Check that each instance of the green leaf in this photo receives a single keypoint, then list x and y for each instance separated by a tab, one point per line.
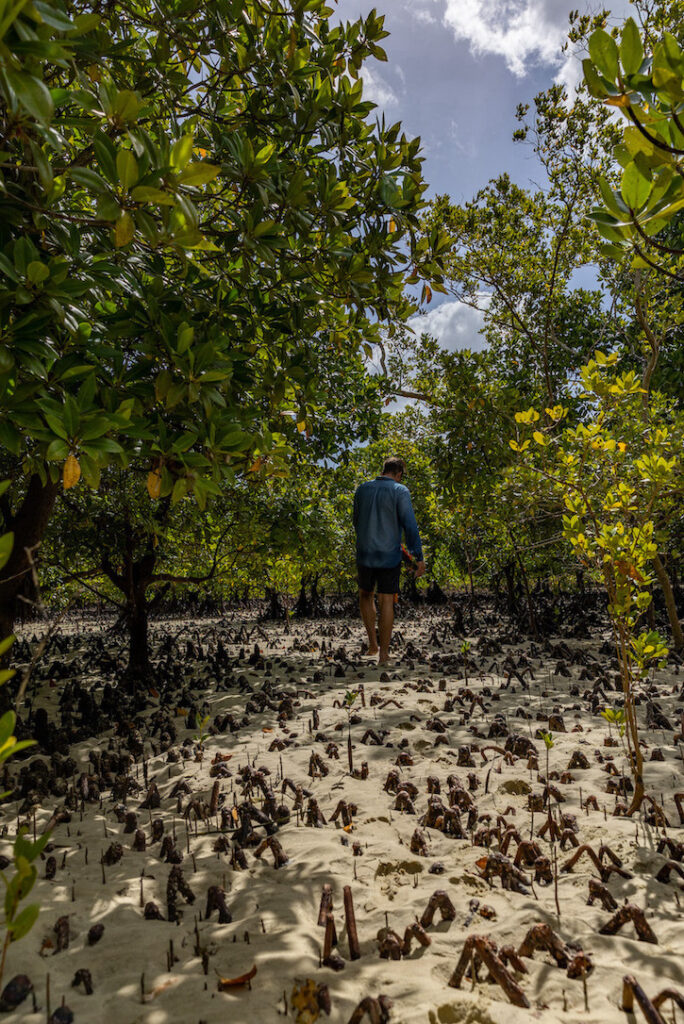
4	647
181	151
10	13
604	53
95	428
147	194
24	921
105	151
198	174
37	272
126	106
57	451
127	168
52	16
594	81
635	188
631	48
33	95
6	543
7	723
89	178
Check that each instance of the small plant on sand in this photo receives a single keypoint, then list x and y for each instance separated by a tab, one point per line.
200	737
616	717
465	649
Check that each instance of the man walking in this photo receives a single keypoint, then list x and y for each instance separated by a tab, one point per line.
382	509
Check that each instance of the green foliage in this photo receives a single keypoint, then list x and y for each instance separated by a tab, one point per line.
548	739
615	473
201	736
19	920
198	215
616	717
647	90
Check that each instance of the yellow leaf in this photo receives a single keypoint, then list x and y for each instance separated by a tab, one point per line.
72	473
617	101
124	229
539	437
392	225
304	1001
154	483
428	293
514	445
301	426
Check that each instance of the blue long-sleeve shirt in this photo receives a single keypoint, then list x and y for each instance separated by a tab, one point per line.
382	509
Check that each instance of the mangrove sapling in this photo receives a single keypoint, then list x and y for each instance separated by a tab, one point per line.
614	473
465	648
200	737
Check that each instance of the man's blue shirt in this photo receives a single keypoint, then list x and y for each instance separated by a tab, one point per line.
382	509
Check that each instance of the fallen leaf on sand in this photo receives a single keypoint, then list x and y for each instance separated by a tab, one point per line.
304	1001
227	983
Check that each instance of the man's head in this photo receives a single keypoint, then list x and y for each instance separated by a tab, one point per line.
394	467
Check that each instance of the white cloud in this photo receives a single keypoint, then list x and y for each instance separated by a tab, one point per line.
453	324
520	31
376	89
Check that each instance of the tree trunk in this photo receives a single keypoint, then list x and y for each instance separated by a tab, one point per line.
28	526
665	586
139	667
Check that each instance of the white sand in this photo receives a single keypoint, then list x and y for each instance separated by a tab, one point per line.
279	909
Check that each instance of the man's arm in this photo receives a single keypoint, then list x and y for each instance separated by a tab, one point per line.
410	527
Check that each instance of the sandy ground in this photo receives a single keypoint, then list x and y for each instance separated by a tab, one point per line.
275	912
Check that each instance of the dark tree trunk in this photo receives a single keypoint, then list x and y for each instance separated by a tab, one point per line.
133	581
28	525
511	601
139	667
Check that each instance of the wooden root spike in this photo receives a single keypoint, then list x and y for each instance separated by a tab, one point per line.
350	924
542	936
668	993
630	912
665	871
438	901
598	891
377	1010
679	803
631	990
483	947
326	905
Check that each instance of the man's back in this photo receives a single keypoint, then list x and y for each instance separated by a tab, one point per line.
382	509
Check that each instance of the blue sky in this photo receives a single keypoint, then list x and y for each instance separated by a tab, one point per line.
455	73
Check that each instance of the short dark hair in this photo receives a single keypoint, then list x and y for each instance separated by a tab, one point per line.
394	465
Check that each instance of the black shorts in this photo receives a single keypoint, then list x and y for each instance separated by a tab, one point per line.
386	580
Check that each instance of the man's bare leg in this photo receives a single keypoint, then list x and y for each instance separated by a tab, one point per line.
367	606
386	623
